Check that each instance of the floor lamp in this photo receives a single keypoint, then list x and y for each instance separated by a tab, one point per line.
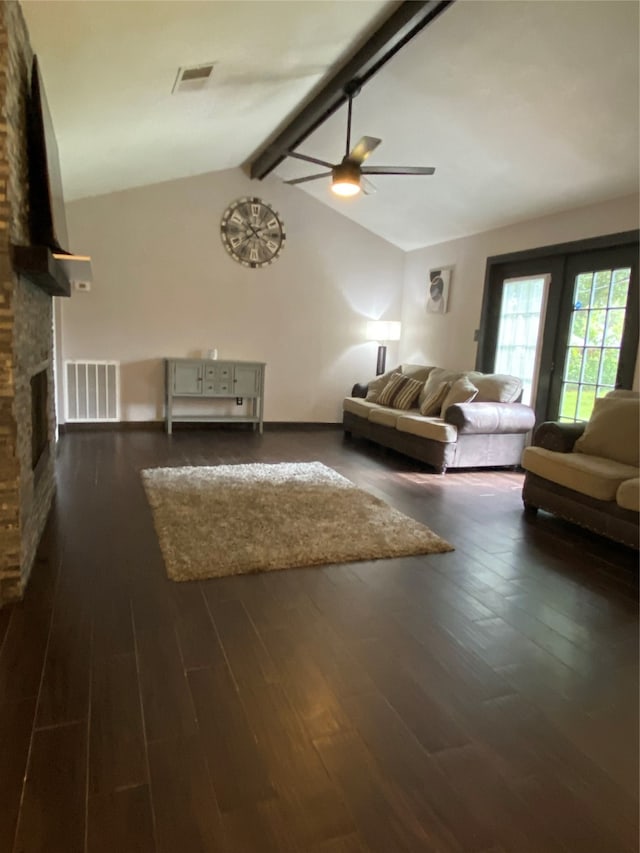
382	331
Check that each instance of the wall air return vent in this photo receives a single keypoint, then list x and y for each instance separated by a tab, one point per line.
92	391
193	78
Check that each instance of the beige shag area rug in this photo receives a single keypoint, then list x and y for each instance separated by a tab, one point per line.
236	519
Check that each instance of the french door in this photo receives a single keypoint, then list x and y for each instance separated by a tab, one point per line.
565	322
597	339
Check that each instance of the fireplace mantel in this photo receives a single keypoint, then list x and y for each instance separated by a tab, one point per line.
40	267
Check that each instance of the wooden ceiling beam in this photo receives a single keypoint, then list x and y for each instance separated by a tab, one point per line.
400	27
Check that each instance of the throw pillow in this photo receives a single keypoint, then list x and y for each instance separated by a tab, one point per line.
497	388
613	430
461	391
375	386
416	371
431	405
437	376
400	392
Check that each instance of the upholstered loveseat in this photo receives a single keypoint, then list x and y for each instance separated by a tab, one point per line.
589	473
446	418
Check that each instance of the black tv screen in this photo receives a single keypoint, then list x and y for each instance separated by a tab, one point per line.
47	220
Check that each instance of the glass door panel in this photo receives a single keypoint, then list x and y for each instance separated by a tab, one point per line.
520	330
596	328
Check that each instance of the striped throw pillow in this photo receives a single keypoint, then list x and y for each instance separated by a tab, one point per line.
400	392
431	405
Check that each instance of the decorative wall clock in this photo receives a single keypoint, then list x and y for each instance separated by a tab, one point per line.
252	232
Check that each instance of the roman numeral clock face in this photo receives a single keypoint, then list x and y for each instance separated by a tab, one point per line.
252	232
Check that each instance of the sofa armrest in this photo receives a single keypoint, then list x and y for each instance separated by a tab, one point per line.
558	435
359	390
483	418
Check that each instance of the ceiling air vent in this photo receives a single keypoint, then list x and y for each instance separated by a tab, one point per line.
192	79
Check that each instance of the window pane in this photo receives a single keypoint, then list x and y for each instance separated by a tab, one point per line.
615	325
609	367
586	399
620	288
569	402
591	365
573	366
601	289
583	290
578	328
595	329
519	329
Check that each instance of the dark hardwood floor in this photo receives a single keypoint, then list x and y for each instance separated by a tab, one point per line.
481	701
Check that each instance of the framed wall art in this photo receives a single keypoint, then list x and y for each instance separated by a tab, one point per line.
438	290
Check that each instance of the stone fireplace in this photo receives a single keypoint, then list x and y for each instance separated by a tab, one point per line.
39	419
26	339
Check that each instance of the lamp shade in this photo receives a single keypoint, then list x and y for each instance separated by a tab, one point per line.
383	330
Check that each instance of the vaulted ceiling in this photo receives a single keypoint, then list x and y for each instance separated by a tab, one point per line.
524	108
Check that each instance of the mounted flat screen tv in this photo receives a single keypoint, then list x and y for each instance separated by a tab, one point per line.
47	220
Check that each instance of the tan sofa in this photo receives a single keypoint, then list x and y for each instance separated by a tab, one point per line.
589	473
489	431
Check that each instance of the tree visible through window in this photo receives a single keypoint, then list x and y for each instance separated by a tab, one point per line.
595	339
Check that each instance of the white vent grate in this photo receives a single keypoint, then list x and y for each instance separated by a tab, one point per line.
92	391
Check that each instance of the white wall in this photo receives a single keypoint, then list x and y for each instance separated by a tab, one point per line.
165	286
447	339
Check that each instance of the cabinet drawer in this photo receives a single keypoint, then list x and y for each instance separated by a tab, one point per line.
218	371
216	389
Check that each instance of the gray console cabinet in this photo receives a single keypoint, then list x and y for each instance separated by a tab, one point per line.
207	379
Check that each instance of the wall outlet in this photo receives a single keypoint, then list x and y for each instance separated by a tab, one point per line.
82	285
238	401
476	335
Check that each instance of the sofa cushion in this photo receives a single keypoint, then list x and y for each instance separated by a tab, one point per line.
431	405
384	416
461	391
591	475
628	494
375	386
496	387
400	392
434	428
613	430
358	406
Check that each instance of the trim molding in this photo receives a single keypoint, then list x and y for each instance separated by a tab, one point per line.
158	426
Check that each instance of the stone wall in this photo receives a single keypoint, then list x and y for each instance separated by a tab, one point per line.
26	340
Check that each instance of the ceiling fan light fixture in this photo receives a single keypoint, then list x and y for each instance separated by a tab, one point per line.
345	179
345	187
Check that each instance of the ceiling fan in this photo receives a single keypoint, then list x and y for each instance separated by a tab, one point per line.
347	176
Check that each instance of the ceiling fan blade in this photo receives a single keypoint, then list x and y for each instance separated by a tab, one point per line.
307	159
367	186
363	148
308	178
398	170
